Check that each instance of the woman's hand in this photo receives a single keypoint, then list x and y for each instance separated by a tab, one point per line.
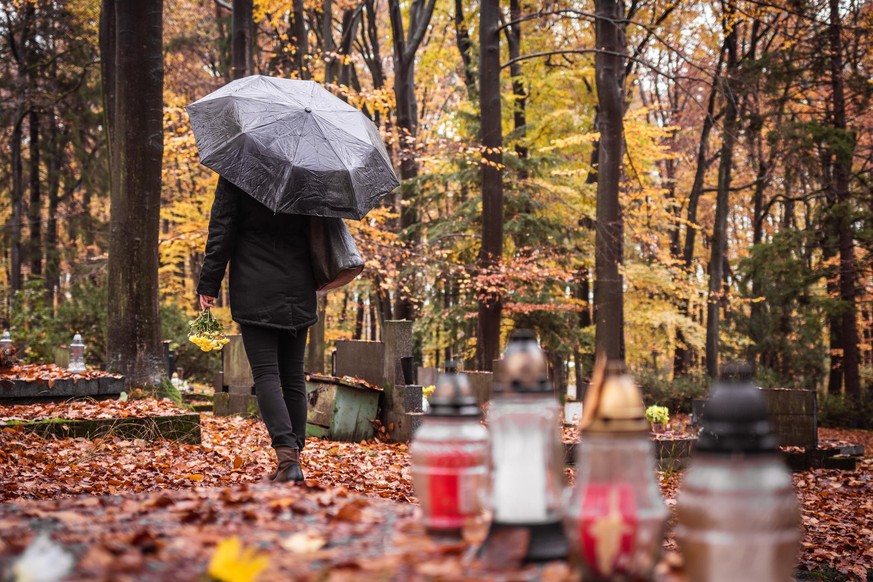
206	301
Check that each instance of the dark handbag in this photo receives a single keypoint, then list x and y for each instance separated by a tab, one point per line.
336	260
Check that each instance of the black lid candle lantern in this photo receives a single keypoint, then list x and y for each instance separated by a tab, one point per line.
737	513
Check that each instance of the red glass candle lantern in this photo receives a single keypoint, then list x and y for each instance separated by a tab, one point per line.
450	457
616	518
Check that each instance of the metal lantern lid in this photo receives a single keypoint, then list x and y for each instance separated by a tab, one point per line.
736	419
77	340
523	369
6	338
617	401
452	395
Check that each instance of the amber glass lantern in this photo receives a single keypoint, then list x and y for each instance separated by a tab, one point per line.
616	516
450	457
527	456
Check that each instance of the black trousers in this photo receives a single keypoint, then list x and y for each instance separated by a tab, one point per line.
276	358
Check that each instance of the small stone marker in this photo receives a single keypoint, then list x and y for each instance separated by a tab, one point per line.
234	394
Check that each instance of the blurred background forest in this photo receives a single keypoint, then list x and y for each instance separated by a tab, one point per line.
746	191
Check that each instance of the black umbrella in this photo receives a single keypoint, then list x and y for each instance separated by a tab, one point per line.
293	146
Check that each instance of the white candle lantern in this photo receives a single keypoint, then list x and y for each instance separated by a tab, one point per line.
77	355
527	456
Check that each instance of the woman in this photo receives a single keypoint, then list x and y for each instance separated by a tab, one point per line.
272	298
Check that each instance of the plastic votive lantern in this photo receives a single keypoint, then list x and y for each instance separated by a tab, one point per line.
5	340
616	518
450	457
527	456
77	355
737	513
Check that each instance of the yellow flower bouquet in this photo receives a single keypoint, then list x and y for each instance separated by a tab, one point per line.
206	332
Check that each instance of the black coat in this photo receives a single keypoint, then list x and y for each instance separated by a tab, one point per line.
271	281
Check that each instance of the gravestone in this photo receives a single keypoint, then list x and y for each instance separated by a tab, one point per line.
481	383
427	376
397	338
14	390
793	414
237	374
400	422
360	359
235	394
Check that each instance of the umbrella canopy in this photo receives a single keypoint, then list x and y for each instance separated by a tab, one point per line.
293	146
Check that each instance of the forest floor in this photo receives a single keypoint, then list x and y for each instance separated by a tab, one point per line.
122	505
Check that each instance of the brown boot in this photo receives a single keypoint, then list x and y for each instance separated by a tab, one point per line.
289	465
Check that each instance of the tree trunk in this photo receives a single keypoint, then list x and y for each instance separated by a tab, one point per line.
405	46
359	318
843	151
609	70
682	355
330	56
108	66
53	183
301	42
558	377
34	208
513	35
350	20
719	237
373	335
315	355
17	217
465	47
370	38
242	38
491	251
134	325
757	310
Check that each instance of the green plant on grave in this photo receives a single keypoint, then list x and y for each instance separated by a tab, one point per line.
658	414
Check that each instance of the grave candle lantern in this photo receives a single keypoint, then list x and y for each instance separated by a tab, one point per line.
527	455
738	517
450	457
616	518
5	340
77	355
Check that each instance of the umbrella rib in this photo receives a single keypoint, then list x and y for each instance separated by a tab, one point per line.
340	158
355	138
